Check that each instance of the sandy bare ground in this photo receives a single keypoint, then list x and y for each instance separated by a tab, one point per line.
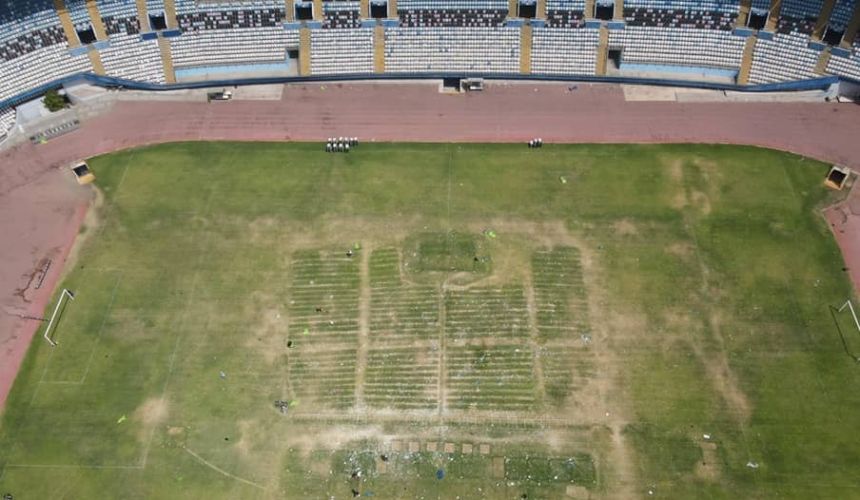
38	224
40	212
844	220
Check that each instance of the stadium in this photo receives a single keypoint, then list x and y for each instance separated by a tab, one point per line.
405	249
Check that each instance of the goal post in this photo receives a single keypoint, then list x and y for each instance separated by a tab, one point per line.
64	294
850	307
845	344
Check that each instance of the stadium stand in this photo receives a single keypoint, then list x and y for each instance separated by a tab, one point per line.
39	45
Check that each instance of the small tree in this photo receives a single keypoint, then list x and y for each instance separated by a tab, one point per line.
54	101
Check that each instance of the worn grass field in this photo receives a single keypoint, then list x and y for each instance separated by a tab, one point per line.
481	321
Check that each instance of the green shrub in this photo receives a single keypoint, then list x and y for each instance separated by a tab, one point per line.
54	101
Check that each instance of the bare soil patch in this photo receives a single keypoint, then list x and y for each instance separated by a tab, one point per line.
708	468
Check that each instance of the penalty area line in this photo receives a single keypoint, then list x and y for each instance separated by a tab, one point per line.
222	471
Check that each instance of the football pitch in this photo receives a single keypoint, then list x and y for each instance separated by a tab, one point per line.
262	320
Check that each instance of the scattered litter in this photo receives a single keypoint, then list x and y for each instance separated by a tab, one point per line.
706	436
650	492
121	419
489	233
586	338
289	344
563	179
283	406
752	465
356	246
440	474
349	253
306	332
222	374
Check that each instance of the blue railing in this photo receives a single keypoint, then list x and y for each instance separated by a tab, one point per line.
821	83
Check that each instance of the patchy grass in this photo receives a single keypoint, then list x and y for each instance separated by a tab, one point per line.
603	331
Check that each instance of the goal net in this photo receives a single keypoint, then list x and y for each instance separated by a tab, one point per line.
65	294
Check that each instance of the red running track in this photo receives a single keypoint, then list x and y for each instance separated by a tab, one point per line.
380	112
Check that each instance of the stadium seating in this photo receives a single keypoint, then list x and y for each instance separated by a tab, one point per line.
341	15
786	57
7	121
564	51
798	16
129	57
690	47
487	50
425	36
341	51
39	67
230	46
846	66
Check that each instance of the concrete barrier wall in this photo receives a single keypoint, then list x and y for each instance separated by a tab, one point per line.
822	83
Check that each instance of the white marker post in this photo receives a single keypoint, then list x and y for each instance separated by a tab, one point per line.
65	293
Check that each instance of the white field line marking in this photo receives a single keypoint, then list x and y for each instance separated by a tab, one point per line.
172	362
124	172
222	471
72	466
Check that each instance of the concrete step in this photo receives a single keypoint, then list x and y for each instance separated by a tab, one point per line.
773	16
96	61
142	15
823	61
379	49
170	14
304	52
66	23
602	50
747	60
823	19
743	13
166	59
96	20
526	49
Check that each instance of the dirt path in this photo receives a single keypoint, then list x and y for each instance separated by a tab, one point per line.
363	323
537	364
43	212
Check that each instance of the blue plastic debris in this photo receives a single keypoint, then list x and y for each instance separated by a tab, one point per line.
440	474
